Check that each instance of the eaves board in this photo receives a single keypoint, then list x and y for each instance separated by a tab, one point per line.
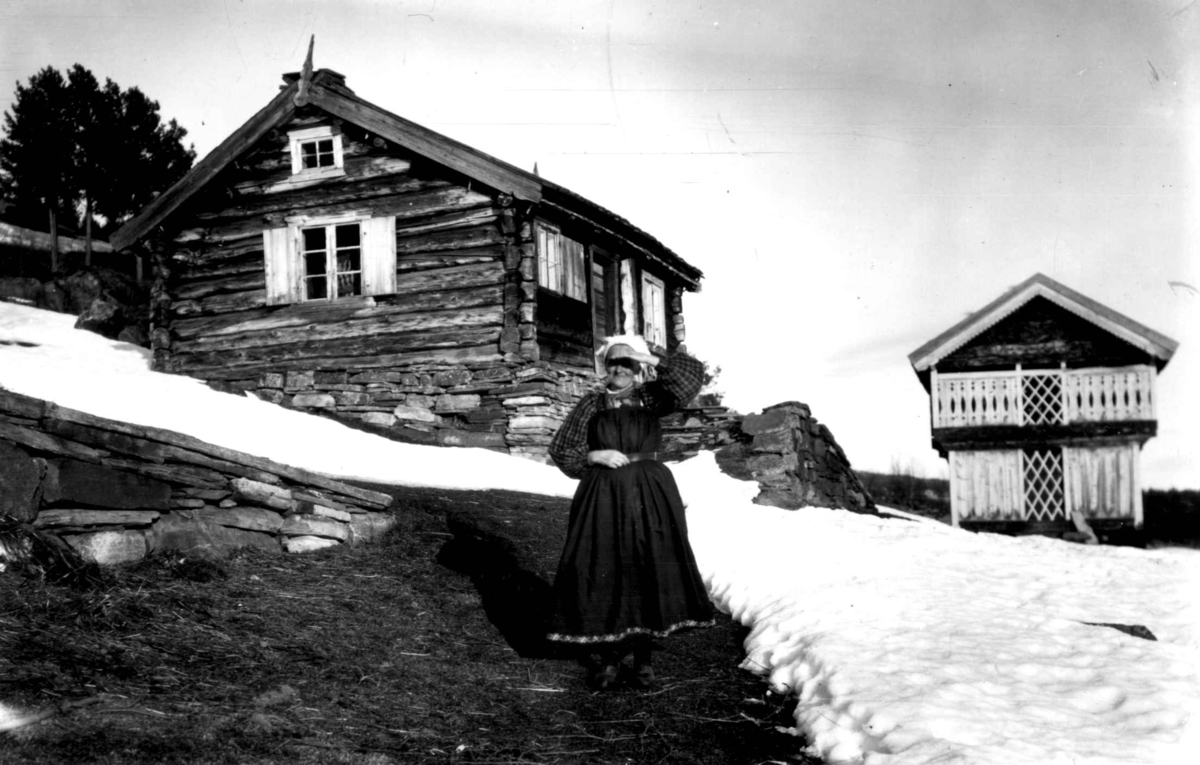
1138	335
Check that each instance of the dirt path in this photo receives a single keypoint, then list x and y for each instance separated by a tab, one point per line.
380	654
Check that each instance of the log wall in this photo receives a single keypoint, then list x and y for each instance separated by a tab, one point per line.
453	357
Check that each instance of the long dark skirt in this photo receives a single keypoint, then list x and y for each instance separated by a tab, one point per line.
627	569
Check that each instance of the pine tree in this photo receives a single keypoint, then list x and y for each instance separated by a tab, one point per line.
73	149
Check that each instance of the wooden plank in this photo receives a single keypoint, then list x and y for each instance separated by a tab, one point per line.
280	180
347	348
296	316
476	357
479	236
332	191
28	239
232	301
374	330
194	290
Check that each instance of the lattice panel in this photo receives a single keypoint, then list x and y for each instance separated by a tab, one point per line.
1042	401
1043	472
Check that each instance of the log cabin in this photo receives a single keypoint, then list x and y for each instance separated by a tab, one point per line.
334	257
1041	402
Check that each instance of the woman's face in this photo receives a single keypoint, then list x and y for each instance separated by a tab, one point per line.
621	370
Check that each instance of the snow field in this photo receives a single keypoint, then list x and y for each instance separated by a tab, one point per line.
905	641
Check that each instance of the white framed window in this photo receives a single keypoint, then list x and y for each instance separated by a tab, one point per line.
316	152
654	311
562	266
330	259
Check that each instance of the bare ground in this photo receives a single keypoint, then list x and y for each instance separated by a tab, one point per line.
422	647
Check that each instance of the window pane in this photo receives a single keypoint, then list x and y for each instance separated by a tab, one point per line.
314	239
308	154
316	288
314	263
325	153
349	284
347	235
349	260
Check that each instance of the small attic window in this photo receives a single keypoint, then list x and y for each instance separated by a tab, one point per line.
316	152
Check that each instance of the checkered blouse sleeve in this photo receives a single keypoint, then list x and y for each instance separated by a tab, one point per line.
680	378
569	447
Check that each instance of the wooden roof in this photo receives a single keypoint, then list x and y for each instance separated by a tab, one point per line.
328	92
1157	345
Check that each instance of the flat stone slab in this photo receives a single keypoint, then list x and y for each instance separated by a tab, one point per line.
65	516
308	544
109	548
249	518
312	525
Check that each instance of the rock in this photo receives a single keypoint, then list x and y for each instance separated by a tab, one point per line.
102	316
109	547
248	518
134	335
521	422
261	493
469	438
185	532
21	289
414	414
770	420
368	526
314	401
383	419
457	402
84	483
308	544
20	482
1136	630
312	525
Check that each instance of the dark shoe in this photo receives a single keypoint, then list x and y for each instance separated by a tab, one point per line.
605	677
644	678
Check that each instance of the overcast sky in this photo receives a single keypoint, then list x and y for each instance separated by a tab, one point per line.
852	176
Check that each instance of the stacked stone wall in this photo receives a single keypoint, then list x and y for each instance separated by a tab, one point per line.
117	492
792	456
514	410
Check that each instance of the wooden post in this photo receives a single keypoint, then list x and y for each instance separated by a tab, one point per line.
53	241
934	398
87	229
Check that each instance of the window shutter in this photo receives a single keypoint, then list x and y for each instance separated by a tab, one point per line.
629	306
379	255
282	266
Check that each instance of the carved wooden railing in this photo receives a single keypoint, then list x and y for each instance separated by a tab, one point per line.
1042	397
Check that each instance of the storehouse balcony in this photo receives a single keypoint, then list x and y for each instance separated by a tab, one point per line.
1024	398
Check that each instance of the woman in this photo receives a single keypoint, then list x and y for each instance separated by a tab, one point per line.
627	572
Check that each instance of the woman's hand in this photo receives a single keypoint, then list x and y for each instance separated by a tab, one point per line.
609	458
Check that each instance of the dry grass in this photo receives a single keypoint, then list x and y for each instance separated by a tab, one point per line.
379	654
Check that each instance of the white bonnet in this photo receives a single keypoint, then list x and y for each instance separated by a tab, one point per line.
633	341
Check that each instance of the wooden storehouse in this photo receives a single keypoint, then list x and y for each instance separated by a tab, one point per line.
330	255
1041	402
